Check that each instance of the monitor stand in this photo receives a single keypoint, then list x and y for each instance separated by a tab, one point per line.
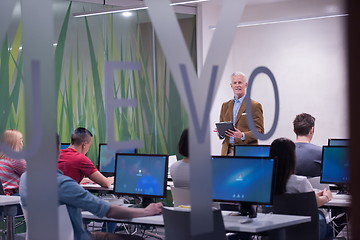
146	201
247	210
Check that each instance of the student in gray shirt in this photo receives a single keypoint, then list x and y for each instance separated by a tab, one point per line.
308	155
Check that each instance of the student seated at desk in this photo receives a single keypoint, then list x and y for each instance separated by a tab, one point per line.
308	155
75	164
180	170
287	182
76	198
11	169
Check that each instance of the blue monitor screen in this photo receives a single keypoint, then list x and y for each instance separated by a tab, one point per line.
141	174
252	150
106	161
338	142
335	165
243	179
64	145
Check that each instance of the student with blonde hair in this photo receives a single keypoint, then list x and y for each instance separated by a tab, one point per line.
11	169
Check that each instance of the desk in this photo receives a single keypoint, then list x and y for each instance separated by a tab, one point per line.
336	208
263	223
97	187
10	209
339	200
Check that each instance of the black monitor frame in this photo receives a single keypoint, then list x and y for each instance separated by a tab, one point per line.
340	184
105	173
164	190
272	187
61	144
251	146
338	139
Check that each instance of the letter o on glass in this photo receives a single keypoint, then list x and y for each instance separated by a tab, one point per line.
249	114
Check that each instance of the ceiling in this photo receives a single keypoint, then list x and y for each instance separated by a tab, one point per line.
140	3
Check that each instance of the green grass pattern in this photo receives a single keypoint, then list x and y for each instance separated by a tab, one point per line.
158	119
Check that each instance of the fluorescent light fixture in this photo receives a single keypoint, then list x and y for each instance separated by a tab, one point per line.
259	23
127	14
20	48
188	2
102	12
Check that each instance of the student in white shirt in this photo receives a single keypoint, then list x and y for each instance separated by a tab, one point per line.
287	182
180	171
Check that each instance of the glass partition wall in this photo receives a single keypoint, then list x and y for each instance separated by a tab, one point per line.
82	46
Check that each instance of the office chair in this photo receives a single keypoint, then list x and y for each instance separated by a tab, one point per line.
177	224
302	204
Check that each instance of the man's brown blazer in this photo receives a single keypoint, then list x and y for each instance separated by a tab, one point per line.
241	122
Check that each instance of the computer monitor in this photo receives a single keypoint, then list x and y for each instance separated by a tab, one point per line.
64	145
335	165
106	160
245	180
338	142
252	150
141	175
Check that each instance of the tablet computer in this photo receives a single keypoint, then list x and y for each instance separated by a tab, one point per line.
222	127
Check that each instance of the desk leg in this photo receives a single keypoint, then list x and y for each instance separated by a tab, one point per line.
10	228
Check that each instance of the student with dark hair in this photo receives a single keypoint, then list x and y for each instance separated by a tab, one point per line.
308	155
75	164
287	182
180	171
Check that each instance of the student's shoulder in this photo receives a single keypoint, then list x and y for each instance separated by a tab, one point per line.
297	178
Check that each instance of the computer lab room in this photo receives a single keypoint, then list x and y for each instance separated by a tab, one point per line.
179	120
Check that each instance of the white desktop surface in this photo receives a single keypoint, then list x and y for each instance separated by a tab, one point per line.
264	222
9	200
95	186
152	220
339	200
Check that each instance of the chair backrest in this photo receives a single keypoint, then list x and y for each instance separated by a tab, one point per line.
1	189
315	183
303	204
177	224
65	228
181	196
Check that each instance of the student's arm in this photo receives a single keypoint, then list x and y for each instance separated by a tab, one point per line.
98	178
120	212
323	197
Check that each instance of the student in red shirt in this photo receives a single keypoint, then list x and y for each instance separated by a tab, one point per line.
75	164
